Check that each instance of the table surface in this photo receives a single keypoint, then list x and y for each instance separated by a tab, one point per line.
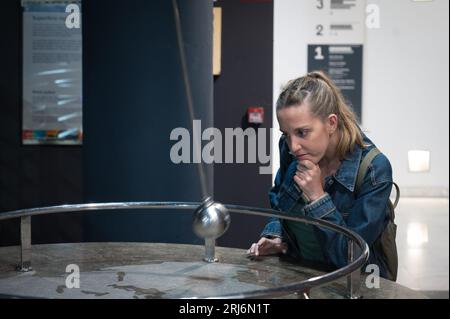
149	270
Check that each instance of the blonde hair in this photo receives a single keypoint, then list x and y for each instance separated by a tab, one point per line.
324	99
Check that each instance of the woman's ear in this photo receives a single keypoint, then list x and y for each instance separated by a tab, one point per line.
332	123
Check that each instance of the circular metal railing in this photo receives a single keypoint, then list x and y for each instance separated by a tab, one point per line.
351	271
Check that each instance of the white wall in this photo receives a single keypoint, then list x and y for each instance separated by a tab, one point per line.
406	80
406	96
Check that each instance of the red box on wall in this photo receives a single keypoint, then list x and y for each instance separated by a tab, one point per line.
255	115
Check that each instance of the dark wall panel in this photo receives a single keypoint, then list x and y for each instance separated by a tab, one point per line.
133	98
246	80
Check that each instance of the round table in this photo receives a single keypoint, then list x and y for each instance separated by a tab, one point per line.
149	270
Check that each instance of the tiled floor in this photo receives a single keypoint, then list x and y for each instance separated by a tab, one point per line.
423	244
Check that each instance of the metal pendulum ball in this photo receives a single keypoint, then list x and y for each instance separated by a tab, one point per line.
210	221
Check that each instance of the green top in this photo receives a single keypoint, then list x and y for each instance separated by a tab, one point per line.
305	237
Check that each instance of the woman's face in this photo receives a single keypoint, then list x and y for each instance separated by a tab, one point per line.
307	136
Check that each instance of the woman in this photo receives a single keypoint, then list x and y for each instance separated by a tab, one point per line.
320	152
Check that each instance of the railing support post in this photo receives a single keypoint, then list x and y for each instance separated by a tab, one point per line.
25	244
354	279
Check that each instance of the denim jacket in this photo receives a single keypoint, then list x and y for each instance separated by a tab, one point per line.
363	213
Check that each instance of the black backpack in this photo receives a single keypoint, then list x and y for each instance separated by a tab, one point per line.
385	244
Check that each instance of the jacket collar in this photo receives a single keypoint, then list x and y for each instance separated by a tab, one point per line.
348	171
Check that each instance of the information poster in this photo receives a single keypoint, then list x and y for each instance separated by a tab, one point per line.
344	64
52	76
337	45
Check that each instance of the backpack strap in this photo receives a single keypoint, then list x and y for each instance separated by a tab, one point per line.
363	171
397	195
365	166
